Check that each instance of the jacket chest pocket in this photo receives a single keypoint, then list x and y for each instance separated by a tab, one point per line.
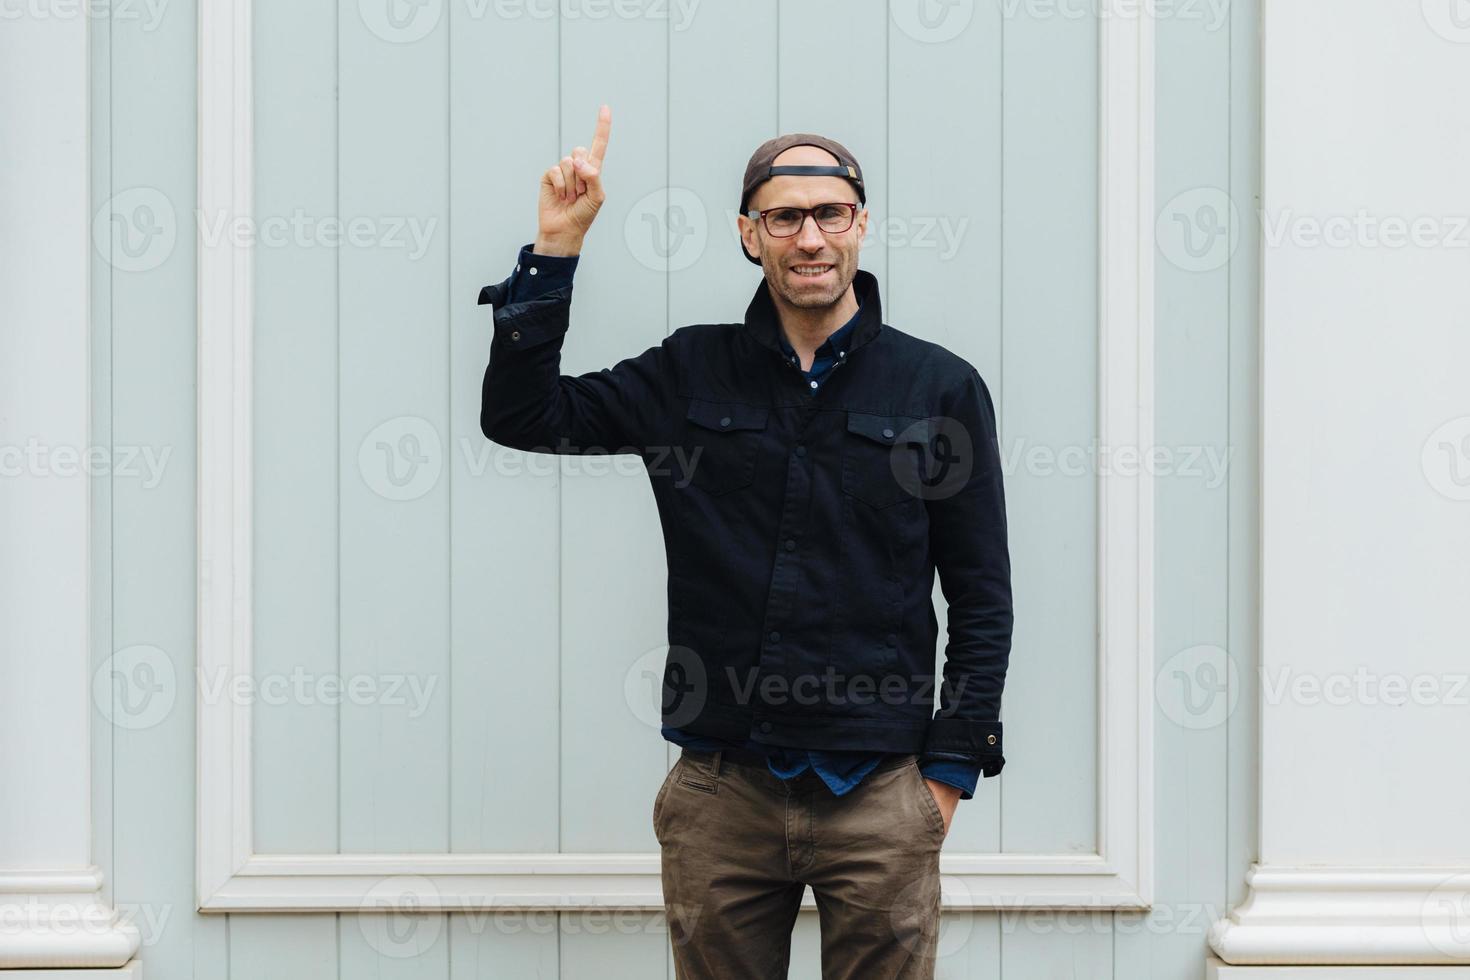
882	457
721	440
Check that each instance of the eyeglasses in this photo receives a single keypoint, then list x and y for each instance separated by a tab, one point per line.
786	221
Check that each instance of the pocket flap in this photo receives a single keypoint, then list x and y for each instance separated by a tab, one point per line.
725	416
888	429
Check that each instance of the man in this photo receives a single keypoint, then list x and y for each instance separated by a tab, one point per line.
813	468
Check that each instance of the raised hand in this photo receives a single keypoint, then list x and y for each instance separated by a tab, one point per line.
571	194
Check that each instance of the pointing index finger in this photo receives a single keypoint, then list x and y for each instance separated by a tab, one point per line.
599	138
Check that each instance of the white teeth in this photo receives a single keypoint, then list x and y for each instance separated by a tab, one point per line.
808	270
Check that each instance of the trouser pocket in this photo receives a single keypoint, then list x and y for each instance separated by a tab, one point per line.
927	801
663	791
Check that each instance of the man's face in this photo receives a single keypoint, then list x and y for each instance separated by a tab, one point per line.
832	258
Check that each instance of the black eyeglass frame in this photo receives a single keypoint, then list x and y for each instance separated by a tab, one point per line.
852	210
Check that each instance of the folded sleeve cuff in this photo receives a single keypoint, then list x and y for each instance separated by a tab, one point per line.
979	741
961	775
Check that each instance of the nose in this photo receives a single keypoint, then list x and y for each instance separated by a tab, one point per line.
810	237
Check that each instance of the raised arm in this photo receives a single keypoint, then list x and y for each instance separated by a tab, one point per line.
525	401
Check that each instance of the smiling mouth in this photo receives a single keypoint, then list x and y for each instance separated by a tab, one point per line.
815	270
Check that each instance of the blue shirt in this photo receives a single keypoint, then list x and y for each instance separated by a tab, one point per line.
840	770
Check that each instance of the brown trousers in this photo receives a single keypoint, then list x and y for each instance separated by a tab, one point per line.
740	844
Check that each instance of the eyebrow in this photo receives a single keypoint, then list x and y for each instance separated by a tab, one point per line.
823	204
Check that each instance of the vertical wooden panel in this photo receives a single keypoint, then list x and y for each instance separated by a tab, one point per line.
1048	404
506	698
295	417
395	543
394	352
493	945
100	92
283	947
153	139
1242	843
295	402
626	944
1192	402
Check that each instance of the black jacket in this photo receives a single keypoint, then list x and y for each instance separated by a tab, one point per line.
802	529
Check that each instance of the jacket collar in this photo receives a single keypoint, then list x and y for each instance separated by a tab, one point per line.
763	323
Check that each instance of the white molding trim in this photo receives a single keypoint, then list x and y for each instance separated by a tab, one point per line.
1125	802
131	970
231	878
225	314
1216	970
1348	915
52	909
57	918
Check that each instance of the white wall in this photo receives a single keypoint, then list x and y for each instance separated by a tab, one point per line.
1365	552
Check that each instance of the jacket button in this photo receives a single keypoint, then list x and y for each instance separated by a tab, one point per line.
989	739
887	433
515	335
725	420
765	726
801	450
790	544
775	636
